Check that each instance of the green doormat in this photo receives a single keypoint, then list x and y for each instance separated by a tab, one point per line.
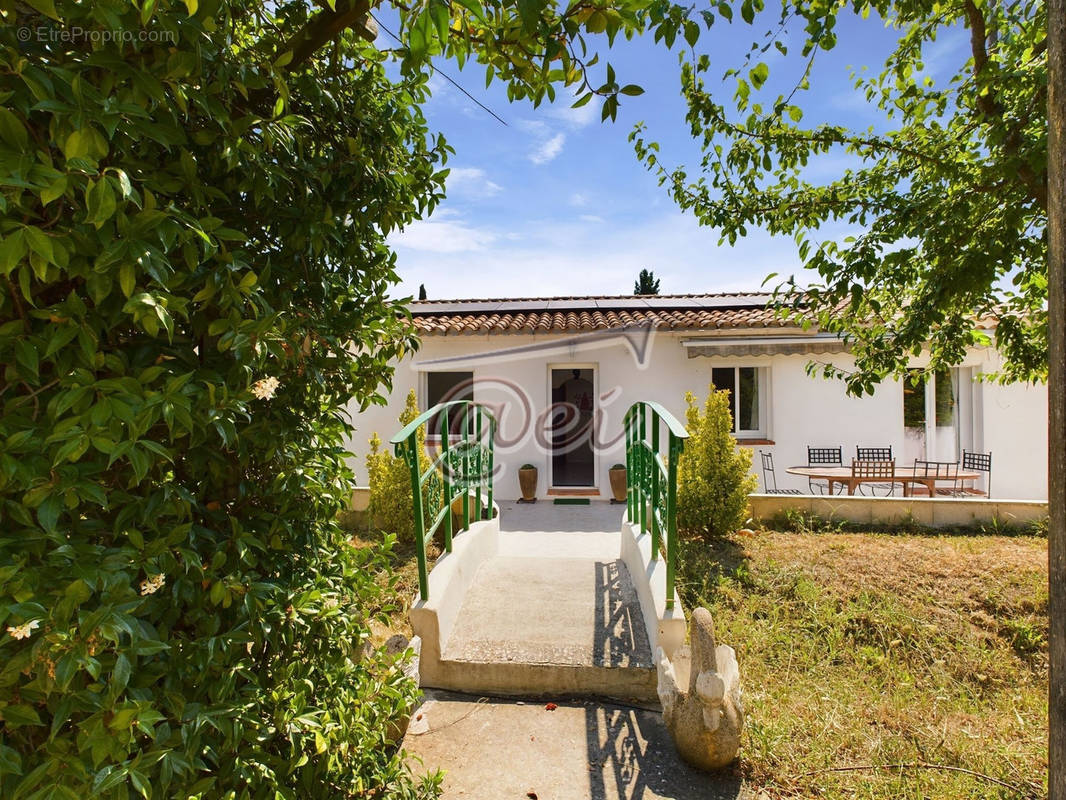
571	501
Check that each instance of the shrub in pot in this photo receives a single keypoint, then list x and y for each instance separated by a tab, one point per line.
527	481
617	475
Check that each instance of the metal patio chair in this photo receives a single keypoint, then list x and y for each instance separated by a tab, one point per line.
873	453
876	454
942	471
874	469
973	462
822	457
769	477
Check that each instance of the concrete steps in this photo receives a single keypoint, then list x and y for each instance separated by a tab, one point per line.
564	624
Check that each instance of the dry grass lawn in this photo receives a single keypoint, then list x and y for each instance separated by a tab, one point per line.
862	652
404	581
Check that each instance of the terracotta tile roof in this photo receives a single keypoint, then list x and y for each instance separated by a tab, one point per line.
695	312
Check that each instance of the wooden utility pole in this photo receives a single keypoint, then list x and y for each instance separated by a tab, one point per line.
1056	14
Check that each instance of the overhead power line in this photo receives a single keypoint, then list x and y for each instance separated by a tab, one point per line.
446	77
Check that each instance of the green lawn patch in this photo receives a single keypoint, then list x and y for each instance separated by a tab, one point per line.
860	653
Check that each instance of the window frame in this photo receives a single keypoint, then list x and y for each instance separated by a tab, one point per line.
762	383
432	434
962	381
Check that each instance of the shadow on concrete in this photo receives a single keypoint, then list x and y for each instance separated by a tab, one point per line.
632	757
630	753
620	638
564	750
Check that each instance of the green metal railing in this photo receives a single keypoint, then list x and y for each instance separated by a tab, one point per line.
462	467
651	492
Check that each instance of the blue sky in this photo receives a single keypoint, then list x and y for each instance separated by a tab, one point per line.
555	202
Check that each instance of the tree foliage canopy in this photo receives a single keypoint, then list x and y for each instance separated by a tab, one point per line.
535	47
195	283
948	204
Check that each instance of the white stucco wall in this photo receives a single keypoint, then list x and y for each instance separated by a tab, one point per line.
1015	432
1010	421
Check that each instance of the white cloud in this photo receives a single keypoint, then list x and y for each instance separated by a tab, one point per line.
471	181
547	146
548	150
437	86
945	55
590	218
534	126
553	257
579	199
576	117
444	233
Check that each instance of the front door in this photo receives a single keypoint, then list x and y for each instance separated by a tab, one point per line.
572	413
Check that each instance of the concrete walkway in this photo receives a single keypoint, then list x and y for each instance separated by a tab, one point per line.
498	749
554	614
562	611
544	515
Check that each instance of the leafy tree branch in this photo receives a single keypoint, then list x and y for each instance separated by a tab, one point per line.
944	213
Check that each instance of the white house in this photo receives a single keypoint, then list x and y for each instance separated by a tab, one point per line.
552	366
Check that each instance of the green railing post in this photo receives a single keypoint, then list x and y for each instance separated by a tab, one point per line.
453	479
492	449
419	520
633	478
446	470
643	455
480	474
630	472
671	518
648	470
656	531
466	469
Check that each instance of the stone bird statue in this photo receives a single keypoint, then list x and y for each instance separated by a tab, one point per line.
705	721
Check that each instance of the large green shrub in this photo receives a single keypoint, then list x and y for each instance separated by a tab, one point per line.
713	474
194	284
390	479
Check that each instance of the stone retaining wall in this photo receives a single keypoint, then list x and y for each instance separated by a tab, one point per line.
940	512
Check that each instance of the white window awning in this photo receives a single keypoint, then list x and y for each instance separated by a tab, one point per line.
763	345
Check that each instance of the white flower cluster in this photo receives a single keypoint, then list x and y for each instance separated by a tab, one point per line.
264	388
23	631
153	584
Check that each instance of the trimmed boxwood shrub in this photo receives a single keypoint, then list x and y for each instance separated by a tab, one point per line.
713	474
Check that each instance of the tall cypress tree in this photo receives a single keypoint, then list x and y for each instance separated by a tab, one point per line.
646	283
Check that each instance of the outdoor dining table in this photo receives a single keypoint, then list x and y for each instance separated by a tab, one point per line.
904	475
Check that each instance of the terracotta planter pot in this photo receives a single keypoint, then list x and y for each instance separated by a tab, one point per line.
487	512
618	483
527	482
